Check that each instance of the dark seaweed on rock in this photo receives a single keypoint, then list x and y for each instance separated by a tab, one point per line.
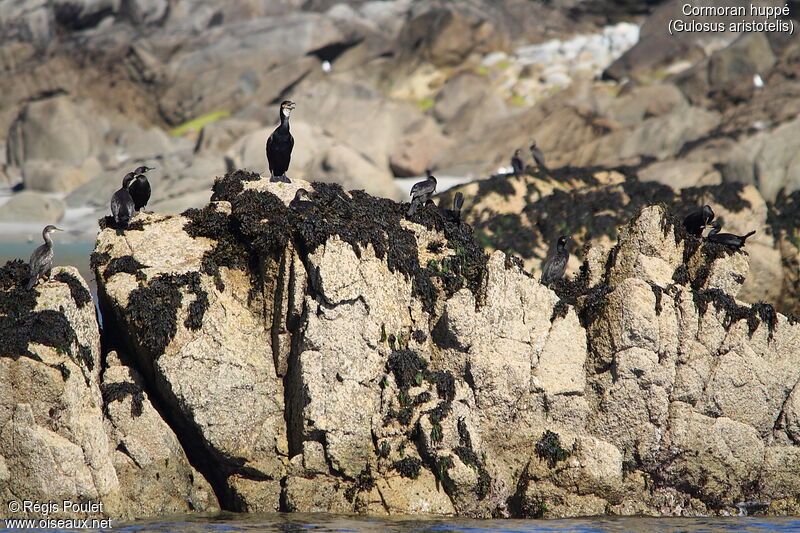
153	309
755	315
97	259
783	216
229	250
21	325
229	186
261	225
408	467
114	392
549	448
590	212
126	264
80	295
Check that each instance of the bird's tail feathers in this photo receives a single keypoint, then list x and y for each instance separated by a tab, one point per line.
744	237
458	201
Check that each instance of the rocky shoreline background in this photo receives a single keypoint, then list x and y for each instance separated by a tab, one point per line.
345	359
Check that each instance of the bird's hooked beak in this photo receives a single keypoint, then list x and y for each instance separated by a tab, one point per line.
287	108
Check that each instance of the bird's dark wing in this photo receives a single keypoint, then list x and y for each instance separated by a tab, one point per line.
554	268
423	188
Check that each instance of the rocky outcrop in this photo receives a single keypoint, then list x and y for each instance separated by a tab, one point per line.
525	215
74	424
340	357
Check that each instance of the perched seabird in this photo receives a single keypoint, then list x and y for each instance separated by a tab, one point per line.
454	215
140	188
516	163
421	192
538	156
280	144
41	262
122	204
553	267
301	201
696	221
728	239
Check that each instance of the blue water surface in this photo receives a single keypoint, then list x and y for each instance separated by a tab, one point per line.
323	523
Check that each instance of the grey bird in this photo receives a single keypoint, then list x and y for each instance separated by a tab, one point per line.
140	188
301	200
537	155
553	267
516	163
41	262
454	215
697	221
728	239
122	204
421	192
280	144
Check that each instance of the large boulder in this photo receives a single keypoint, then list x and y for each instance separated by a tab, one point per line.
54	129
30	206
402	362
63	434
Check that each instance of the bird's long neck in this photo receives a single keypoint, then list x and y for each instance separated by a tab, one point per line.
284	120
714	231
560	247
47	239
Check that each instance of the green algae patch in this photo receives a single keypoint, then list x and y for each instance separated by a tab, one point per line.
549	448
196	124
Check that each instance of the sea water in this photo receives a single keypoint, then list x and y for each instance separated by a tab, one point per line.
323	523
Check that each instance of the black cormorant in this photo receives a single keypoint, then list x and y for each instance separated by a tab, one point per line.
122	204
301	201
728	239
140	188
454	215
538	156
553	267
41	262
516	163
280	144
421	192
696	221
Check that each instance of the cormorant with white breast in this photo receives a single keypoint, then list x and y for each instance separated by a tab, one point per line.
516	163
421	192
696	221
280	144
122	204
553	267
41	262
140	188
728	239
537	155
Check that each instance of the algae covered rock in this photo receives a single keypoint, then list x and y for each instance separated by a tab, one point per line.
338	356
63	434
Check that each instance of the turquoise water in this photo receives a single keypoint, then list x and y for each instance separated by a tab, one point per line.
321	523
65	253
